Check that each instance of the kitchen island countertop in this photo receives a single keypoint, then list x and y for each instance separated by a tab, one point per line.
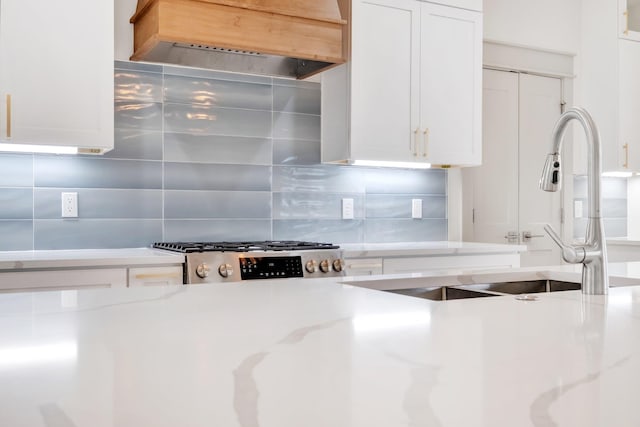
280	353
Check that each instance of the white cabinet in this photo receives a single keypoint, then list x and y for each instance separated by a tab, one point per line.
365	266
26	281
155	276
56	73
629	102
451	85
88	278
412	90
609	66
629	19
440	263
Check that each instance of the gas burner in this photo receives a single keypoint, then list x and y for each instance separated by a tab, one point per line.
285	245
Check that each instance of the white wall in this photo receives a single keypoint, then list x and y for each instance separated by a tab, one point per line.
124	10
546	24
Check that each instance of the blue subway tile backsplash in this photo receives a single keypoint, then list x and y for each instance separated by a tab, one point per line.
208	155
101	203
614	206
17	170
201	176
84	172
182	147
195	230
217	204
217	93
296	99
83	233
17	235
17	203
138	144
205	120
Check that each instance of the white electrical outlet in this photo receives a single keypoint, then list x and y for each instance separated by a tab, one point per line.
347	208
577	209
69	205
416	208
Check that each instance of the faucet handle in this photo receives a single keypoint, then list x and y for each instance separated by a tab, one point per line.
571	254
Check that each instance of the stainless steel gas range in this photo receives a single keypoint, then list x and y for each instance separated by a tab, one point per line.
216	262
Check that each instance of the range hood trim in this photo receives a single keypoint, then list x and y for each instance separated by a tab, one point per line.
299	13
296	47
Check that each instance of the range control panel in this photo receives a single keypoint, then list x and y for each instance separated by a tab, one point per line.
270	267
216	267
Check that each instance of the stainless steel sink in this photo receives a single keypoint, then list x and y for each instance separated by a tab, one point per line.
511	288
480	290
555	286
443	293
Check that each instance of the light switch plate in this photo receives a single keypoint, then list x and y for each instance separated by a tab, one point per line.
69	205
347	208
416	208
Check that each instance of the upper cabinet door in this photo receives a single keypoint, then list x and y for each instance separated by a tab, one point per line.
451	85
412	90
56	73
384	81
629	19
629	99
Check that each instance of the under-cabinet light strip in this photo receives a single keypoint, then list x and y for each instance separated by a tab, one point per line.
27	148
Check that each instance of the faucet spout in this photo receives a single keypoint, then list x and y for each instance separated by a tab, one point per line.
593	254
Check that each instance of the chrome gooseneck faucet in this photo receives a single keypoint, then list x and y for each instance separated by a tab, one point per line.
593	254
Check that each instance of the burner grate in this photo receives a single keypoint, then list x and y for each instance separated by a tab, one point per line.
284	245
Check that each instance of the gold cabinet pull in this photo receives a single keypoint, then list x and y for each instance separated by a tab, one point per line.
415	142
626	22
626	156
426	142
8	116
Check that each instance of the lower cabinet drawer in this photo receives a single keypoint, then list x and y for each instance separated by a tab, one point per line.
155	276
425	264
363	266
24	281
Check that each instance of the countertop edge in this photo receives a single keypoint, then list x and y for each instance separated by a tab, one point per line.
427	249
81	258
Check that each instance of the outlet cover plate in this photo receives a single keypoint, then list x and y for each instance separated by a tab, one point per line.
347	209
69	205
416	208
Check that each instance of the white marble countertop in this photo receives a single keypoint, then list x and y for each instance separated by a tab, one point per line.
317	353
18	260
356	250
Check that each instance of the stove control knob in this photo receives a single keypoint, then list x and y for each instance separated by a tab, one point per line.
325	267
225	270
338	265
202	270
311	266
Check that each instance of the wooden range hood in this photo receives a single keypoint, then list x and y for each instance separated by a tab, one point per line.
285	38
